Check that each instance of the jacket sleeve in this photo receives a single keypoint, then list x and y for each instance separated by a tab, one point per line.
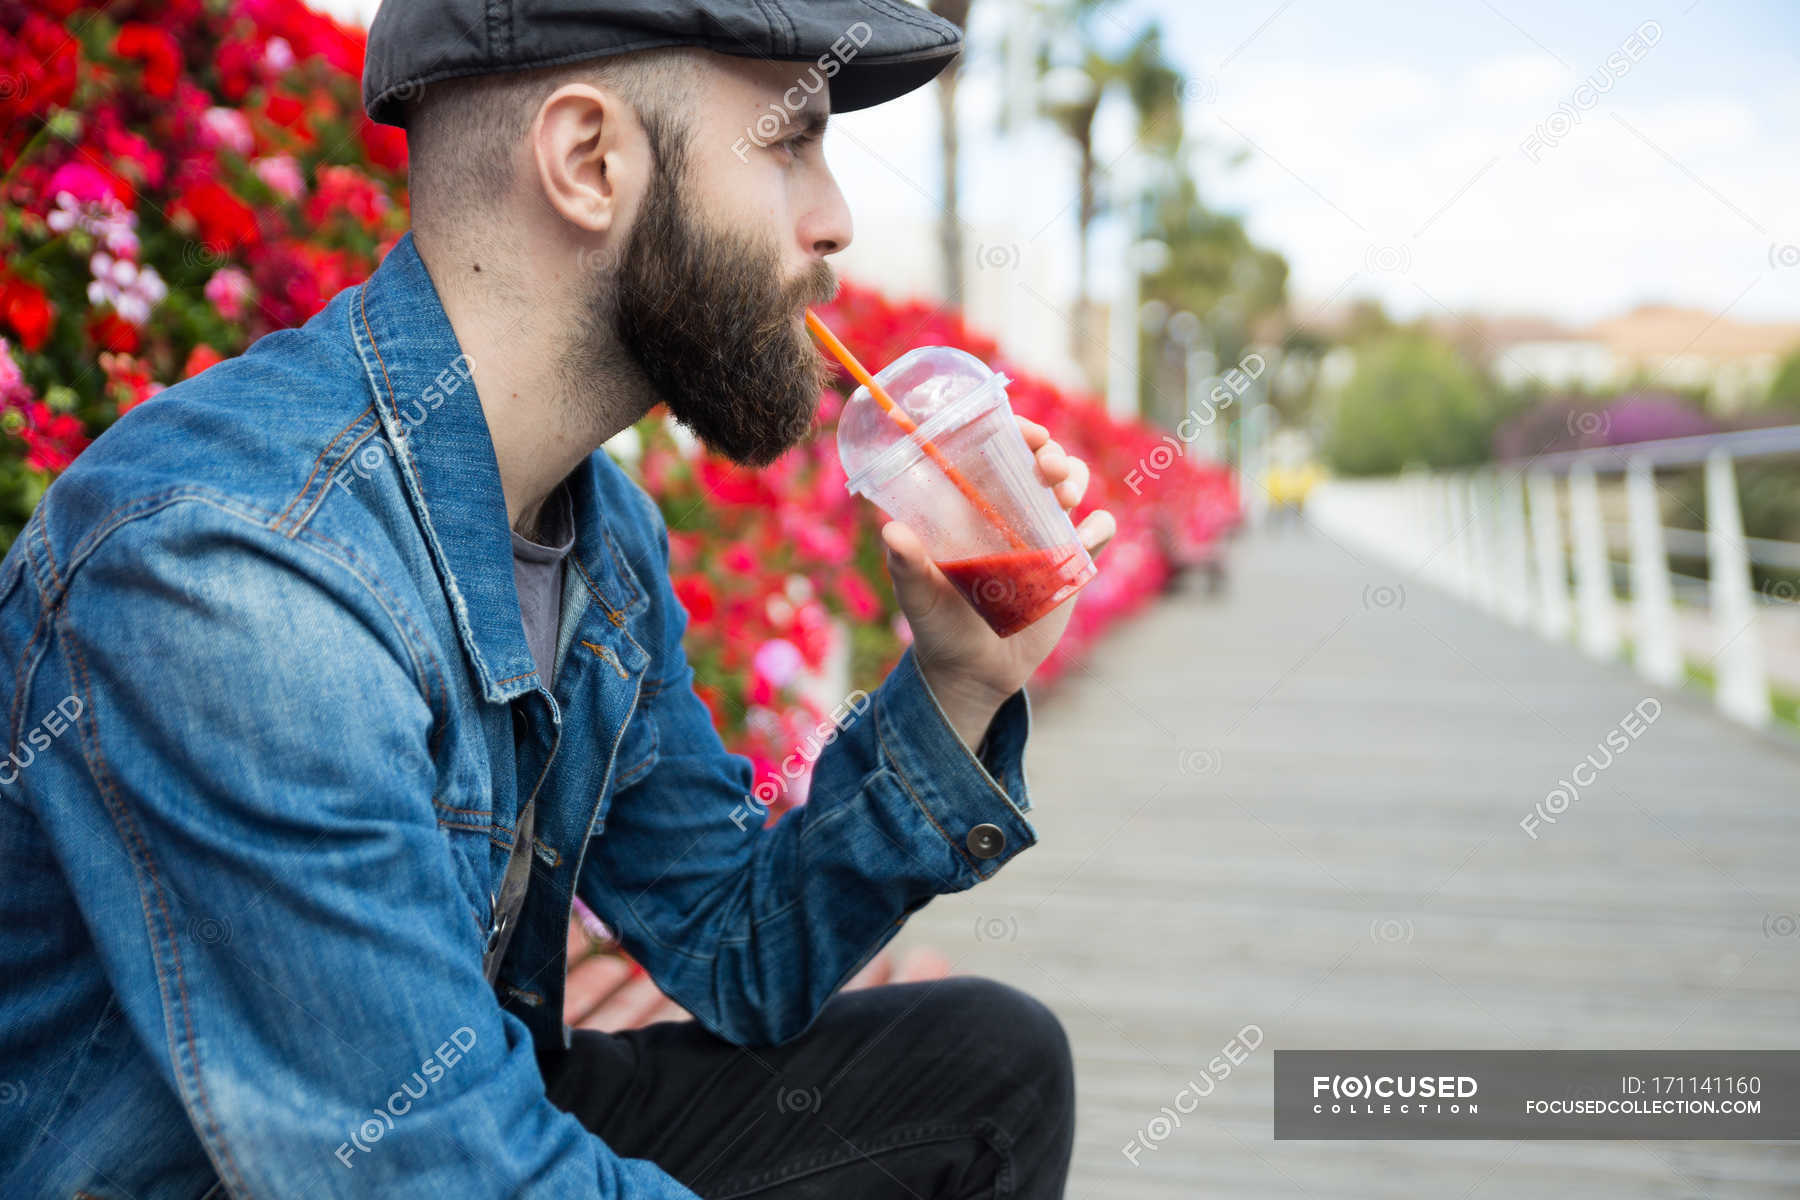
243	804
752	930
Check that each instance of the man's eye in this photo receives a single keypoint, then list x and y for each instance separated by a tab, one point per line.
799	142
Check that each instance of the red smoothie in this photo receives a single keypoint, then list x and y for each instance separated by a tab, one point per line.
1013	589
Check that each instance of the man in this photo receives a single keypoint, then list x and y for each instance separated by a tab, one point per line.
344	667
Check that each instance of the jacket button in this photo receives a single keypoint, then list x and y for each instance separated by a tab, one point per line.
986	841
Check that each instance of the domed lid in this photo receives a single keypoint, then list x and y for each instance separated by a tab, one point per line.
938	387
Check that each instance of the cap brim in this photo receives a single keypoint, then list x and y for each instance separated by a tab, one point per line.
866	83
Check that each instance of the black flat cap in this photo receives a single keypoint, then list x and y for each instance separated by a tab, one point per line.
872	50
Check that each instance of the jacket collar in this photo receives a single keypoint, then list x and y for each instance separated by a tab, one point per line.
424	394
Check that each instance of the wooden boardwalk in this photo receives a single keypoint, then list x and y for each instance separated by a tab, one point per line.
1297	806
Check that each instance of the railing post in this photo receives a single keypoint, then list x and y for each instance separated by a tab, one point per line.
1515	559
1658	649
1552	568
1481	544
1599	625
1457	542
1743	689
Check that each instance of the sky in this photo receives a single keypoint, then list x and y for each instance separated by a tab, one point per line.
1441	156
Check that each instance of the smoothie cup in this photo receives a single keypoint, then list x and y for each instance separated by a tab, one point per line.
963	478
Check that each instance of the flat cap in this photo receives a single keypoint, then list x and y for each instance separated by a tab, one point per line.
871	50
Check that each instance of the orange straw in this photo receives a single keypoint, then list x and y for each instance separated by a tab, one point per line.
842	353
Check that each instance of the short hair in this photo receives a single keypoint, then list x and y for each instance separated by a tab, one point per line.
462	133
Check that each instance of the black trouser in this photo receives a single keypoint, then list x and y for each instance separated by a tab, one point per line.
950	1089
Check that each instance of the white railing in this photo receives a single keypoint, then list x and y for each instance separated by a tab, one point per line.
1495	536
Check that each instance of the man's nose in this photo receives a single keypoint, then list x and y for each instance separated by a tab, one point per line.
826	227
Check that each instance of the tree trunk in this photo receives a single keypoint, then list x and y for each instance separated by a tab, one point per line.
1084	222
950	232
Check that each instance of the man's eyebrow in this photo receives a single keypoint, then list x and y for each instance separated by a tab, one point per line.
812	122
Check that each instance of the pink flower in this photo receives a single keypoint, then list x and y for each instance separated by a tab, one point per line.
778	661
229	291
11	378
227	128
106	219
83	182
131	290
278	55
282	174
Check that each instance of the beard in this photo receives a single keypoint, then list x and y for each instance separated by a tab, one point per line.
707	320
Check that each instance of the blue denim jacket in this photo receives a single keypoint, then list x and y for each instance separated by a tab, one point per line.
271	719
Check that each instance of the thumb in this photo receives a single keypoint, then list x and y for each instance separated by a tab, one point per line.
915	576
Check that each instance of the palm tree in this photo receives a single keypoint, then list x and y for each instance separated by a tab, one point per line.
950	240
1149	80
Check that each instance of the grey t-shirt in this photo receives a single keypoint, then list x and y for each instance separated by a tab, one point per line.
538	573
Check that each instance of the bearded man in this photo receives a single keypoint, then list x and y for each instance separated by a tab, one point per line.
364	664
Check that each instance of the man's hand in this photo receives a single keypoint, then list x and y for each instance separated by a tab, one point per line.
609	992
970	669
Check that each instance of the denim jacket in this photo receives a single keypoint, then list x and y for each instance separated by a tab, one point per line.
271	718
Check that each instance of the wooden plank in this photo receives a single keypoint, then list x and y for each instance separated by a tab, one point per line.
1298	806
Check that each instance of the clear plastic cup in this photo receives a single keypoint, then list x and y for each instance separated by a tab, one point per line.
1012	552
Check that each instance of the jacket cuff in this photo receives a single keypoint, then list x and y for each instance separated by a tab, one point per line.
965	797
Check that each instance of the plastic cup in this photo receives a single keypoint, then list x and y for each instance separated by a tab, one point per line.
1010	549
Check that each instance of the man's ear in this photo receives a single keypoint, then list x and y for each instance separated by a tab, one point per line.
590	155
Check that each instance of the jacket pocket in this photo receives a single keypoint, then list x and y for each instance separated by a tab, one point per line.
639	748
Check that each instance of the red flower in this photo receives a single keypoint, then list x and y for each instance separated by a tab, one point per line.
52	439
857	596
157	50
386	146
696	595
222	222
24	308
109	331
40	64
128	380
200	358
239	64
346	190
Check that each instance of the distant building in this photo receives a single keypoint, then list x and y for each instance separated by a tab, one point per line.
1731	361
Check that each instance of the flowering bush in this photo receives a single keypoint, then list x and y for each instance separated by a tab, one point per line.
1582	423
182	177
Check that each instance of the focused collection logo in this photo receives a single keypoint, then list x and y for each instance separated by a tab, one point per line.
1403	1095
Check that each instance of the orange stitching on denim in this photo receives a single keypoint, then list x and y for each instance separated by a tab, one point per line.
18	701
307	486
612	614
50	555
417	646
325	490
606	652
901	776
625	576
